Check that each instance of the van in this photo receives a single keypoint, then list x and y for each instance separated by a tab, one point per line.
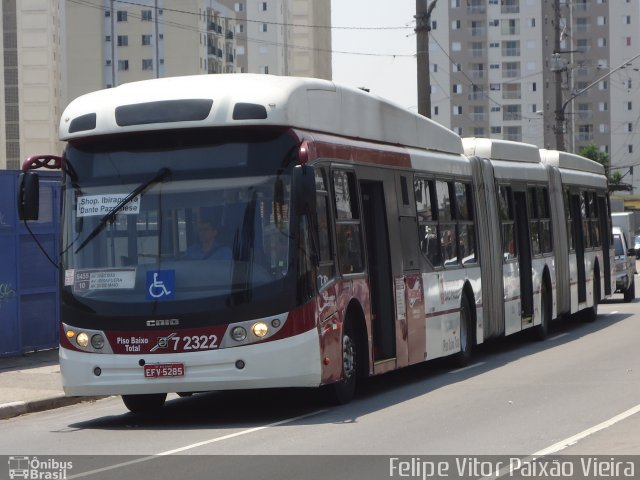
625	265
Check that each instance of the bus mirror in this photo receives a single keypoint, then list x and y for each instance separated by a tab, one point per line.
28	196
304	184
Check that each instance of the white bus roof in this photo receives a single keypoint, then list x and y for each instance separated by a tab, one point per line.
250	99
571	161
506	150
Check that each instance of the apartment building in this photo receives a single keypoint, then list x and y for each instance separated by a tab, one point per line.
283	37
493	72
111	42
56	50
32	78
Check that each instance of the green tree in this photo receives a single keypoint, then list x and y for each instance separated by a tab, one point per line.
592	152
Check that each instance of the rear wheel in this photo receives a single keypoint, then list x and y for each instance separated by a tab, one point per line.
591	313
541	331
146	403
463	357
342	391
630	293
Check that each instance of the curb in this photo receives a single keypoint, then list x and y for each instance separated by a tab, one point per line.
14	409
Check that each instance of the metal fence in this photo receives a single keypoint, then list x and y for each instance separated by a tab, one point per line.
29	296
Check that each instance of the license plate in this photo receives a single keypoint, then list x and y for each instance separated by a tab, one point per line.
159	370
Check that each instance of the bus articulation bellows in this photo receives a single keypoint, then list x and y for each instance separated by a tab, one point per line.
252	231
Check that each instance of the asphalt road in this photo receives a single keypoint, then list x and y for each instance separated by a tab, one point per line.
519	398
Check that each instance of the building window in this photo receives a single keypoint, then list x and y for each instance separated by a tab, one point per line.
147	64
123	40
146	15
263	27
630	148
107	13
629	127
123	64
239	7
629	105
262	6
121	16
108	63
146	39
436	110
107	38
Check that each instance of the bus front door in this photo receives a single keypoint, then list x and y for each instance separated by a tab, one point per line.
524	257
379	267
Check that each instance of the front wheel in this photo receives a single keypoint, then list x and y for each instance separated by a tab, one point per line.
145	403
343	390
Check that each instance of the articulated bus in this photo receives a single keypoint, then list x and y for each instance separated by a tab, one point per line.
251	231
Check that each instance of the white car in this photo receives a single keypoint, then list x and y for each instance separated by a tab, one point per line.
625	265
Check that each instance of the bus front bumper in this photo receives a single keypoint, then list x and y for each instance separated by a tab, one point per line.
290	362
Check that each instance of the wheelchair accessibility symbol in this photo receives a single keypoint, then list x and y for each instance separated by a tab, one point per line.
161	285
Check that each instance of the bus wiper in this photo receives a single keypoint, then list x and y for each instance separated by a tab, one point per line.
158	177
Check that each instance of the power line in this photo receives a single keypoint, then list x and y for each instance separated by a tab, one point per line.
328	27
249	39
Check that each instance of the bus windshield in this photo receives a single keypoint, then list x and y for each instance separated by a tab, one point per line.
177	218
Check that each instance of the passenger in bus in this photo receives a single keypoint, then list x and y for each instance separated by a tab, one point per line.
207	247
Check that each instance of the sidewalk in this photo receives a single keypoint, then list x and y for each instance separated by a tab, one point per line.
31	383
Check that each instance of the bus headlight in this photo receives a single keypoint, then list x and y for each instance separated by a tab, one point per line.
260	329
238	334
82	339
97	341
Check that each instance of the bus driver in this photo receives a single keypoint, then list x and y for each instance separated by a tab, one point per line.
207	247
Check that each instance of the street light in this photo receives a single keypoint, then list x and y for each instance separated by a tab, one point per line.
559	126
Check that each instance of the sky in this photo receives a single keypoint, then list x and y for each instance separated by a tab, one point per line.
385	75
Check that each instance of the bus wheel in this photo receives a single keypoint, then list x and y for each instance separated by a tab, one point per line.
145	403
541	331
591	313
630	293
463	357
342	391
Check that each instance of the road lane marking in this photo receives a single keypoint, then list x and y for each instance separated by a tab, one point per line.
555	337
567	442
562	444
193	445
469	367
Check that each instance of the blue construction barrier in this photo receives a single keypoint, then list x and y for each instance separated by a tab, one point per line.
29	290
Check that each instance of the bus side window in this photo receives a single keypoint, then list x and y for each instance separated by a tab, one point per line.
446	219
505	206
427	224
466	228
532	211
348	231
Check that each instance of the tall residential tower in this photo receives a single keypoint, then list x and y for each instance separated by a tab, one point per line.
498	66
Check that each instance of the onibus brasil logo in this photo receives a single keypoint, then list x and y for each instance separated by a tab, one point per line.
36	469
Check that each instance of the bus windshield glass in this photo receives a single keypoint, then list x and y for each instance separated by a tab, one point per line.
177	218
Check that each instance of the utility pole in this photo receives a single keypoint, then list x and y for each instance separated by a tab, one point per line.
423	27
558	68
